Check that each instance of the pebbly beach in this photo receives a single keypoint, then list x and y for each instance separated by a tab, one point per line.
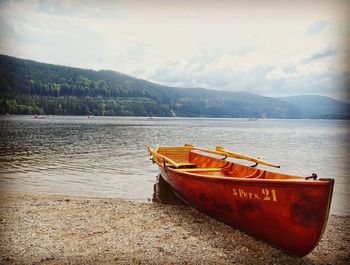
61	229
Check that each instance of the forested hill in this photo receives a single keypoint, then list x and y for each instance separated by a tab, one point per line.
28	87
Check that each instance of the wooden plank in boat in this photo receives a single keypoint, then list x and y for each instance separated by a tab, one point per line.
199	169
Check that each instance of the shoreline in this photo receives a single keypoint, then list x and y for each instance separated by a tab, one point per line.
63	229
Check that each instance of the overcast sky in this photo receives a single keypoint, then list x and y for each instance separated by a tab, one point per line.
272	48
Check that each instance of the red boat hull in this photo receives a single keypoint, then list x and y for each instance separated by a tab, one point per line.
290	215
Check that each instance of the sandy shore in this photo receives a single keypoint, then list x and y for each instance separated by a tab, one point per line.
58	229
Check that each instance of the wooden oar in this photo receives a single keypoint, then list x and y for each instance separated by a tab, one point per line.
245	157
219	150
163	158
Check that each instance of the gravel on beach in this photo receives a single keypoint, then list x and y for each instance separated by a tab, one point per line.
60	229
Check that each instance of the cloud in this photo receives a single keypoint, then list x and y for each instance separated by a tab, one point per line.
269	49
321	54
317	27
279	73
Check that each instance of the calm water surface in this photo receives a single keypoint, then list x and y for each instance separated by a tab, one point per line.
107	157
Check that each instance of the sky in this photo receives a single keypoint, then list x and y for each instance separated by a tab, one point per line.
271	48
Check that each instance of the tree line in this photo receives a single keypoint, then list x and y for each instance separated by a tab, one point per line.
97	106
29	87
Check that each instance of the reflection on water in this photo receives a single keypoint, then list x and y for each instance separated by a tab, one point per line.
164	194
107	157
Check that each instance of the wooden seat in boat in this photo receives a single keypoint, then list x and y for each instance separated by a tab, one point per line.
186	165
204	169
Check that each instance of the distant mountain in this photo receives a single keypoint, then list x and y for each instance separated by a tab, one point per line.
314	106
29	87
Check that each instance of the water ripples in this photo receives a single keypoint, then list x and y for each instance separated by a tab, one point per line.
107	157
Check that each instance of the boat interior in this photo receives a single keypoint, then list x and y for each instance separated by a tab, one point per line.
192	161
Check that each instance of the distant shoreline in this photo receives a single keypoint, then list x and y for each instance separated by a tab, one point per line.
47	89
174	117
51	229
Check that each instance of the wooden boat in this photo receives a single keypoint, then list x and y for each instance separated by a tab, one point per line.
289	212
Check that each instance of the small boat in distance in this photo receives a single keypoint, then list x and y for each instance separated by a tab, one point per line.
290	212
38	116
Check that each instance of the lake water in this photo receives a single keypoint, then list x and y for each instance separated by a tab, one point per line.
107	157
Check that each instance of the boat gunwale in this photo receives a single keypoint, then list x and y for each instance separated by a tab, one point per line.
253	181
294	180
